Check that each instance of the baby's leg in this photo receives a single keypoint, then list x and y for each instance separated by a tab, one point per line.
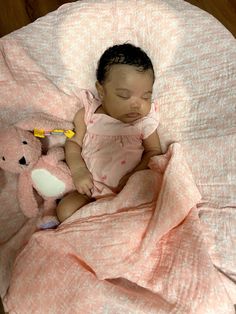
70	204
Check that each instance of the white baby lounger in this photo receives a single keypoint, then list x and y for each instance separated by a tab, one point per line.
114	256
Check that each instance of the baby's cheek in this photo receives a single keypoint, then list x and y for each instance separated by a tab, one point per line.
146	109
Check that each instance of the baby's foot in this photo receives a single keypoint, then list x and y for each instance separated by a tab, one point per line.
48	222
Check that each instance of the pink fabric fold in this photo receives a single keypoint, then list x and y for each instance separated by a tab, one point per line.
145	254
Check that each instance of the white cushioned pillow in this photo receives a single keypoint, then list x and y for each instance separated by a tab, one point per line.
44	66
195	66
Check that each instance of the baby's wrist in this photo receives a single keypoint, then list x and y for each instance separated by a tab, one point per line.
78	169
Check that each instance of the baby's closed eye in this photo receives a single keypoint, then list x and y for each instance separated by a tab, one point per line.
124	95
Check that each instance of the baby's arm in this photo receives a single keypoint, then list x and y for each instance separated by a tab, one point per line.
152	147
81	176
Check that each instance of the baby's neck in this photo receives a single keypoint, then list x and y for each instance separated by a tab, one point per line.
100	110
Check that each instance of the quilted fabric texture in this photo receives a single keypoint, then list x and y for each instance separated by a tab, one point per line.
140	252
44	66
54	58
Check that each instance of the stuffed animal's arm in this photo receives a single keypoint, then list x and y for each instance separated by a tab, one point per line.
28	203
54	155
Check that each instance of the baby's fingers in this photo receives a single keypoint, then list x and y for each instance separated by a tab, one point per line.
84	190
87	188
88	192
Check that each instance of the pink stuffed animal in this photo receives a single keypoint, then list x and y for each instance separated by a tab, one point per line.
20	152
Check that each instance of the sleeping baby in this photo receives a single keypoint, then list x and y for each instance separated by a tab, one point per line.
116	134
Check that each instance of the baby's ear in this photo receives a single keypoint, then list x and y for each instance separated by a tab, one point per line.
100	90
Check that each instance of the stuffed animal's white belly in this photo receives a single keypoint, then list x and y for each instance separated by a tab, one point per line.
47	184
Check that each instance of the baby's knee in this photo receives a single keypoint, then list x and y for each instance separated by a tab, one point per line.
61	213
65	209
70	204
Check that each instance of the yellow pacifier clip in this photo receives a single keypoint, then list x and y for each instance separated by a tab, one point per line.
42	133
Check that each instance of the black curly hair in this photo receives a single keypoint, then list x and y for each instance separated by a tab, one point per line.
122	54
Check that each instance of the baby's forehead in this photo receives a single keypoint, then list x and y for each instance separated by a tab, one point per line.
118	72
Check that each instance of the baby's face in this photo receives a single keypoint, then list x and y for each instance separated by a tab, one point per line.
126	93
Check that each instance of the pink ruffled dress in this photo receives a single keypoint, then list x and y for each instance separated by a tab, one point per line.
112	148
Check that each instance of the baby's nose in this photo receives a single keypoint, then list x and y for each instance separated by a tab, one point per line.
135	104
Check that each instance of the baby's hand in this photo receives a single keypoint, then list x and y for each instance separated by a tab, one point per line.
83	181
